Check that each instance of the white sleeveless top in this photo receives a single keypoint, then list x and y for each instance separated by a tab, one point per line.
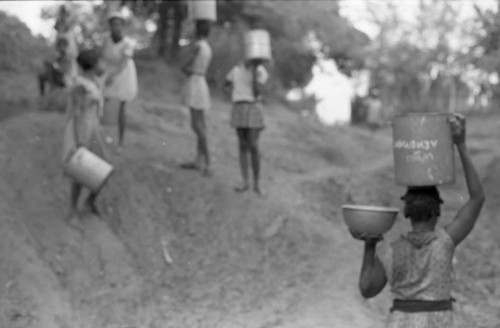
203	58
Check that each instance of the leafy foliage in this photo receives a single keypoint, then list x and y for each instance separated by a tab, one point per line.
423	65
17	45
289	22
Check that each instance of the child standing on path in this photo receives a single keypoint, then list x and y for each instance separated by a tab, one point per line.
82	121
121	82
196	95
418	266
246	81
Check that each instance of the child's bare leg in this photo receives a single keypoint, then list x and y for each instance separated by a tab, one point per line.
243	155
255	157
122	122
195	125
74	196
91	203
203	143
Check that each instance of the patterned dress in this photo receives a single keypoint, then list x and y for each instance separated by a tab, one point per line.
419	267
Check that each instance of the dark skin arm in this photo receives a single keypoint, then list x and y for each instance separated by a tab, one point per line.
227	87
77	98
372	278
258	88
193	52
467	216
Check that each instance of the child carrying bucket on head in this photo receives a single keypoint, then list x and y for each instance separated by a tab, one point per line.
246	81
418	266
84	107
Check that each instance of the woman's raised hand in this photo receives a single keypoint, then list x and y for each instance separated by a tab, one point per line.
366	237
457	123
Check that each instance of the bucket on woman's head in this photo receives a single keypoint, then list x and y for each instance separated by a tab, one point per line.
258	45
423	149
88	169
202	10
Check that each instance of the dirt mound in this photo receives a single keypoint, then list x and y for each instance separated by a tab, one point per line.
174	249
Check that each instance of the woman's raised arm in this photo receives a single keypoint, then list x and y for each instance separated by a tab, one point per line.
467	215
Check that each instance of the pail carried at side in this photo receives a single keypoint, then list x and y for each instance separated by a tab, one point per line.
88	169
258	45
423	149
202	10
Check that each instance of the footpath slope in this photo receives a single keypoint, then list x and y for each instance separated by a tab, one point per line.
285	260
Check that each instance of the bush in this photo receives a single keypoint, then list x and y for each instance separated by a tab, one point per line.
19	49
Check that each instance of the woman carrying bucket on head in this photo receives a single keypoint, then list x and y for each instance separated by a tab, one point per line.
121	79
82	122
418	266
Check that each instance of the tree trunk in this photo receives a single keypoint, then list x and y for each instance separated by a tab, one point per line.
178	16
161	32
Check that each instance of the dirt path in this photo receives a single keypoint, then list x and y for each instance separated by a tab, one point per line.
174	249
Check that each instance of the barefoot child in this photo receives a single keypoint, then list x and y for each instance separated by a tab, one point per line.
246	81
82	121
196	94
418	265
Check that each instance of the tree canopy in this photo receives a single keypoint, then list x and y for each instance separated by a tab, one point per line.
289	23
435	58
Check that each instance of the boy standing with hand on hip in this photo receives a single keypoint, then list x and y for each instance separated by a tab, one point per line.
196	95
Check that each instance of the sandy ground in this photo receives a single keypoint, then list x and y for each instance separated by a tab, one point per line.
175	249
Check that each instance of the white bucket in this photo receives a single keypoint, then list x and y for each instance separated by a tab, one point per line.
258	45
423	149
88	169
202	10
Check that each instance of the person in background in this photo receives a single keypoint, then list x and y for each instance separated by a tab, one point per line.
57	72
374	110
65	29
82	121
246	81
196	95
121	75
418	266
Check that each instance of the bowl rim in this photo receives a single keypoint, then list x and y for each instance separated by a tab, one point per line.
370	208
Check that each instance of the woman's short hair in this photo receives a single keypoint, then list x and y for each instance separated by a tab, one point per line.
422	203
202	28
88	59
